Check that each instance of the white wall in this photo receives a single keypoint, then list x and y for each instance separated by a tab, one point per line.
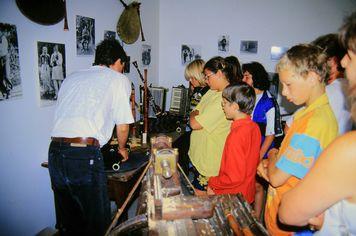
272	23
26	199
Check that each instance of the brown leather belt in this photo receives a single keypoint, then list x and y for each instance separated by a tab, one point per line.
78	140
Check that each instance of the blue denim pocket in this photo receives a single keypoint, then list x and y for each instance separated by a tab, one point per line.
80	165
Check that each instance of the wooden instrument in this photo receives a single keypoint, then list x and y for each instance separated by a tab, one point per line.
145	108
165	207
156	109
65	28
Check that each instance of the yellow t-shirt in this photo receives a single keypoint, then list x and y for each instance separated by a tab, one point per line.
312	130
207	144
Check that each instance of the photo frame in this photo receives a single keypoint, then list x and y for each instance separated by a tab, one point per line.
109	34
10	80
223	43
189	53
127	65
274	83
85	35
248	46
146	55
51	70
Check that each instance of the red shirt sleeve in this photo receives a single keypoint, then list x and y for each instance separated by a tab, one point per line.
233	163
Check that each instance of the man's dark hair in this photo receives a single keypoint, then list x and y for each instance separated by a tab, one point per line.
259	75
242	94
108	51
332	48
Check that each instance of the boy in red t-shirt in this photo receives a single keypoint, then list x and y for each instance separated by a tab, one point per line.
242	146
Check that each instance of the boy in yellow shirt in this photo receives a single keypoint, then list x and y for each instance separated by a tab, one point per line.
303	73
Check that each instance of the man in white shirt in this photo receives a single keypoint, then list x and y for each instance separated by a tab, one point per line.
90	103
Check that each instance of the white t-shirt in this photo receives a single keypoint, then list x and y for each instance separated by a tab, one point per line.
90	102
337	102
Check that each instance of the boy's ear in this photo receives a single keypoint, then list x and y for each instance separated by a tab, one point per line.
235	106
314	78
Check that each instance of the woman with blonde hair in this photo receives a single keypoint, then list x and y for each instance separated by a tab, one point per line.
194	74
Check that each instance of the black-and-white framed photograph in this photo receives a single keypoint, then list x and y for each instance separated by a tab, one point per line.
127	65
10	80
109	34
190	53
248	46
274	83
146	55
85	31
223	43
277	52
51	70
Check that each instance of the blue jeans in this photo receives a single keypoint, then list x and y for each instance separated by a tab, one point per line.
79	185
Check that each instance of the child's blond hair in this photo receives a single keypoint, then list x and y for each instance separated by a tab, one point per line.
304	58
195	70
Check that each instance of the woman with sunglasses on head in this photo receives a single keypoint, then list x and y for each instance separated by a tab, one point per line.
210	127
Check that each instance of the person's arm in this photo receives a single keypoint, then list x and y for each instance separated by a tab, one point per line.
194	124
330	180
266	144
122	132
276	176
233	164
269	131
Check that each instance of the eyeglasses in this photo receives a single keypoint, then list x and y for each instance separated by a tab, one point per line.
206	77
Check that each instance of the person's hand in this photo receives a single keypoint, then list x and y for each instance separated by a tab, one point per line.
124	153
315	223
272	153
262	169
209	191
194	113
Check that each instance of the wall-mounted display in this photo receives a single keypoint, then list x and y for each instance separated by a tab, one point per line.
85	31
127	65
10	80
277	52
190	53
248	46
51	70
274	83
223	43
146	55
109	34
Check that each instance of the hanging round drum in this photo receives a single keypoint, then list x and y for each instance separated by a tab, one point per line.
44	12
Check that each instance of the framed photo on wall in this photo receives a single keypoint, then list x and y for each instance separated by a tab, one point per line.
248	46
51	70
109	34
85	35
223	43
189	53
146	55
10	80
